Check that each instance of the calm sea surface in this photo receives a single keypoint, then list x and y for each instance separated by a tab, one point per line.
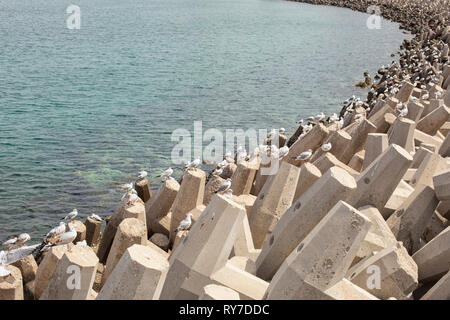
82	111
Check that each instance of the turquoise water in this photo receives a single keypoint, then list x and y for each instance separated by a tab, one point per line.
82	111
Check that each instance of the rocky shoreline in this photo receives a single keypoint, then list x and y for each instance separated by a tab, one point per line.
359	207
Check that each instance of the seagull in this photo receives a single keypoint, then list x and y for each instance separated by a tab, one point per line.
142	175
96	217
224	186
10	242
7	258
326	147
404	111
132	197
71	215
358	116
228	194
217	172
304	155
24	237
64	238
193	164
167	174
320	116
126	186
283	151
57	230
425	96
185	223
282	130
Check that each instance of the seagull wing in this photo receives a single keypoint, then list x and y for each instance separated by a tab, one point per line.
19	254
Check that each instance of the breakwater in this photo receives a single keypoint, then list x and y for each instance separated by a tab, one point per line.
357	209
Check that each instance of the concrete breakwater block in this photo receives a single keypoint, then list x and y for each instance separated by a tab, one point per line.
390	272
440	291
130	231
93	232
243	246
217	292
46	268
309	174
143	189
136	210
336	184
205	250
243	177
444	149
11	286
433	259
408	223
376	144
323	257
378	181
441	183
402	133
188	197
160	204
312	140
273	200
139	275
431	123
339	141
73	276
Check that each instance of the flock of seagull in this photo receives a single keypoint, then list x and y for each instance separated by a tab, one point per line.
16	248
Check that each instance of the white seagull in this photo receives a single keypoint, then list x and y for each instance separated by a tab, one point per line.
193	164
96	217
185	223
57	230
326	147
142	175
224	186
71	215
304	155
167	174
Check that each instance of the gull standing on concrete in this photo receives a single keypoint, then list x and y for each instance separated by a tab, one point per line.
71	215
304	156
185	223
142	175
224	186
192	165
64	238
96	217
326	147
167	174
57	230
10	242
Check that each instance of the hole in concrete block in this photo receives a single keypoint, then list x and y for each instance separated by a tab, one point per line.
353	275
261	196
300	247
271	240
366	180
298	205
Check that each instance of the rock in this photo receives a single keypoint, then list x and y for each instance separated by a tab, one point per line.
139	275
